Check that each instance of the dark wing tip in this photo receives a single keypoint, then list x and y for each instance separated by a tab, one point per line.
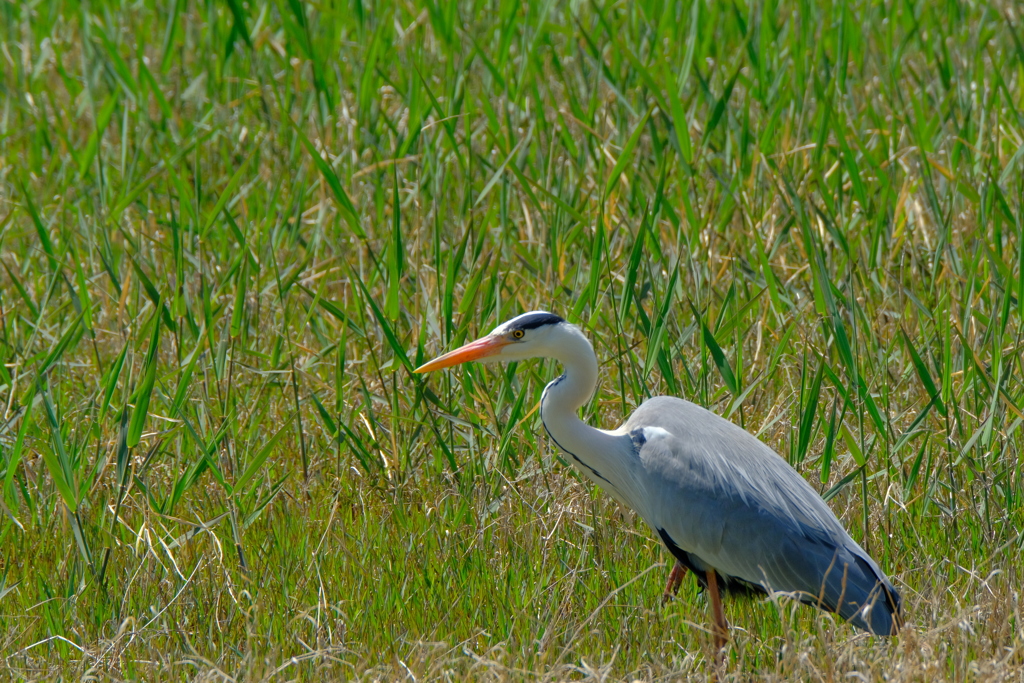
869	601
895	604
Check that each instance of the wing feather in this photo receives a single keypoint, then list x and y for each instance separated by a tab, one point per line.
732	504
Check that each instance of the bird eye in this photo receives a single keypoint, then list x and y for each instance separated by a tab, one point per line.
517	334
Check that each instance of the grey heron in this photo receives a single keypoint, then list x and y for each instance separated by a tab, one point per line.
727	507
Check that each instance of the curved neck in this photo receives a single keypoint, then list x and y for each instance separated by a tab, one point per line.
562	399
564	396
603	456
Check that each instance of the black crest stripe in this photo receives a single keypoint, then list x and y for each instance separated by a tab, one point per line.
531	321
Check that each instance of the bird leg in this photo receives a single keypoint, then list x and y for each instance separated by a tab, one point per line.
675	578
721	626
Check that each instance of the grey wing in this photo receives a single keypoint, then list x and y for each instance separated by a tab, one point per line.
728	502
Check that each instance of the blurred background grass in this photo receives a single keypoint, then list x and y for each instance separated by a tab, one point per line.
228	231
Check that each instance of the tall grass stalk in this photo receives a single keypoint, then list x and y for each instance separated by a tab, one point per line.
229	231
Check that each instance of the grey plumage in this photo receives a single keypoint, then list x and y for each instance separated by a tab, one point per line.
731	503
725	505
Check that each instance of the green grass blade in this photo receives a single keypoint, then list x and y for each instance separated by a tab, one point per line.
396	346
14	456
923	373
717	355
33	309
257	462
627	154
88	154
228	193
67	340
41	231
110	383
57	461
396	254
241	287
185	379
145	391
808	415
348	210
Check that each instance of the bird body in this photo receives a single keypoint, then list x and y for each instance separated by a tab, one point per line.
744	512
725	504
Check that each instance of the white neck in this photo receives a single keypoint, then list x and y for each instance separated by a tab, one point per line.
595	452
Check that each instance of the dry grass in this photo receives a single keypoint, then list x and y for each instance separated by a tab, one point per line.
229	230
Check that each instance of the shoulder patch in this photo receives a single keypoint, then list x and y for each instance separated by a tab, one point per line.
642	435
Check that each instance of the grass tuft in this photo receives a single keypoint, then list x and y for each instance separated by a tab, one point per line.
229	231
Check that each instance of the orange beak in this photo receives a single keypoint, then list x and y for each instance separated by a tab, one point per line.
481	348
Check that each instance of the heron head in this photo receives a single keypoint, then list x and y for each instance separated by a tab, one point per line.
528	335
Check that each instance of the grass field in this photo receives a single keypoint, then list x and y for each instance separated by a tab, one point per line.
229	230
